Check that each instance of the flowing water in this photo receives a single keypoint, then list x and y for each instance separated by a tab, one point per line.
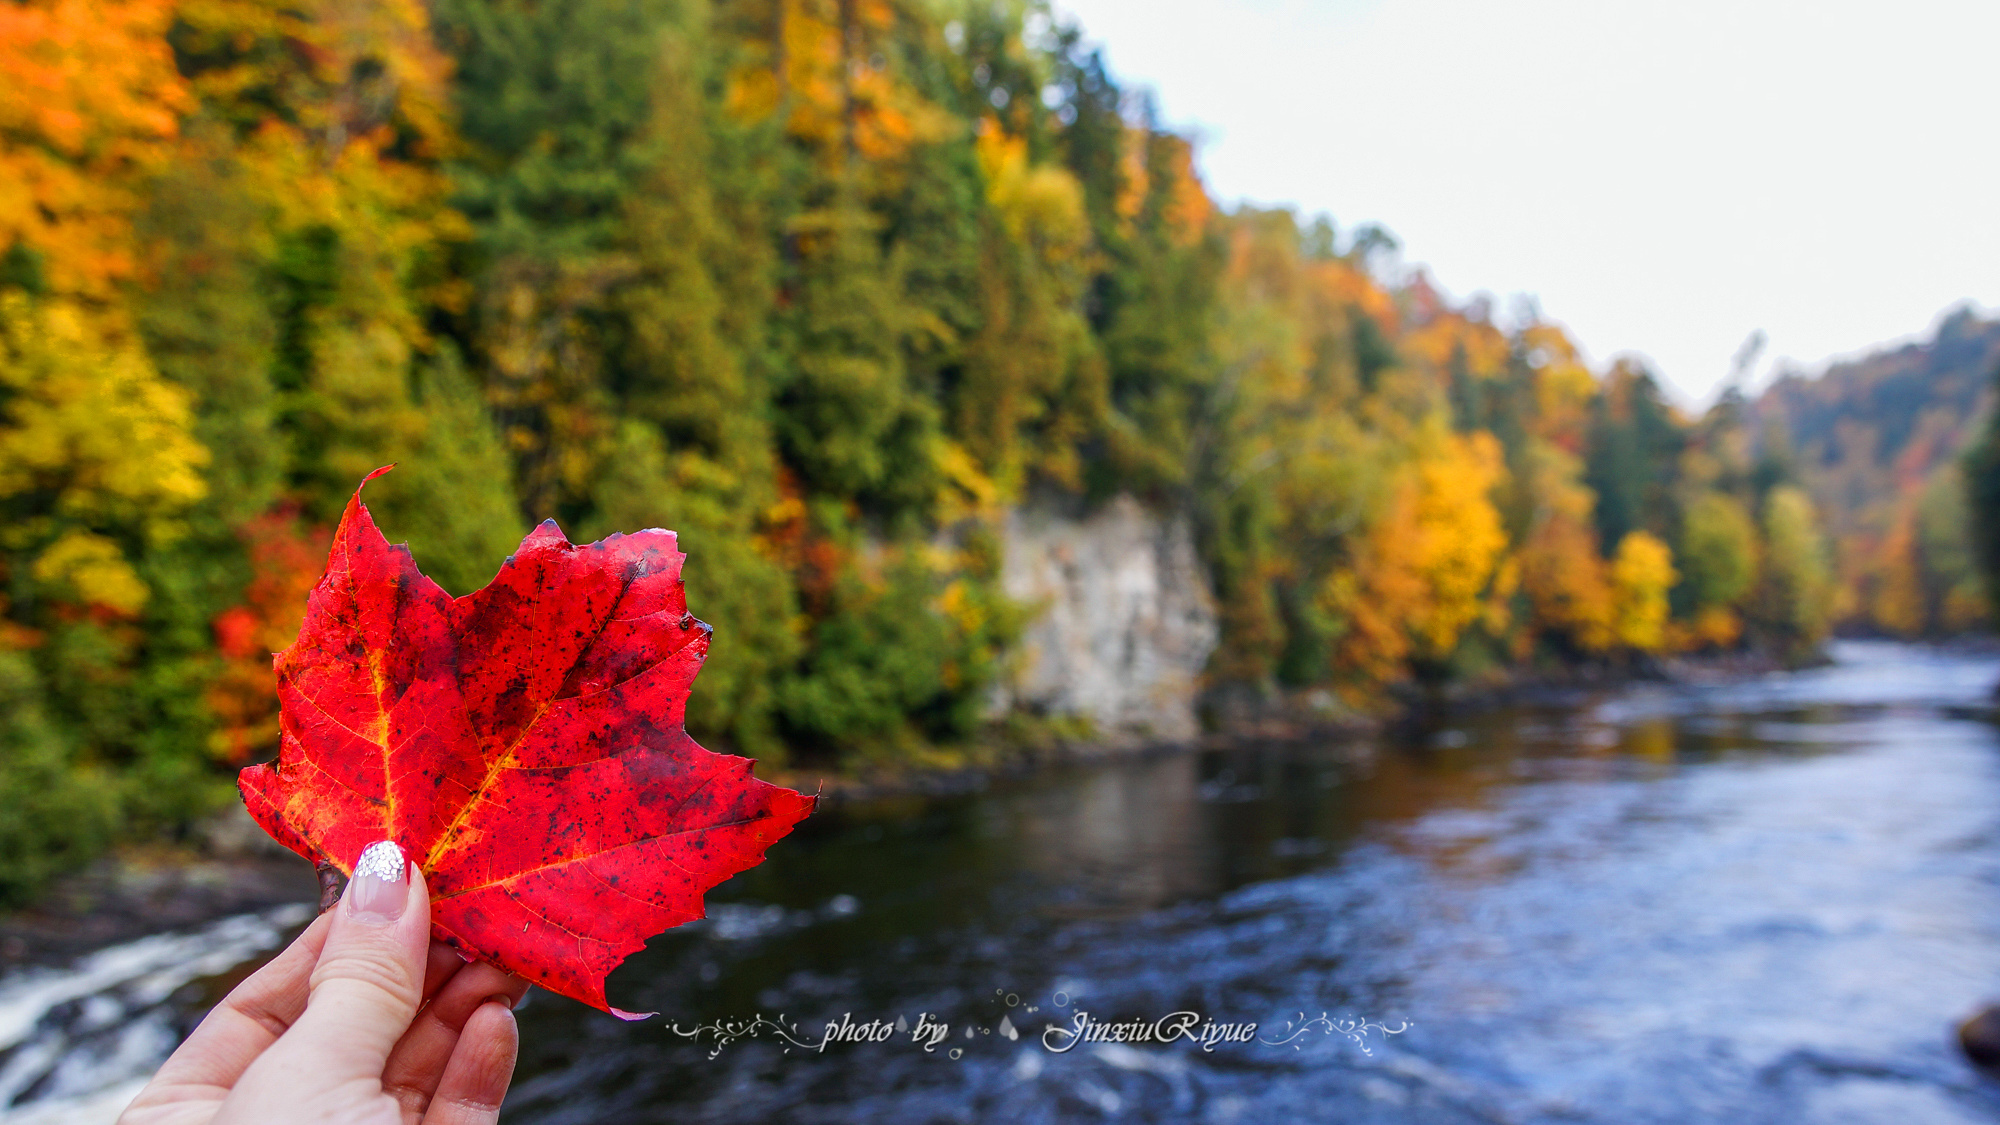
1765	901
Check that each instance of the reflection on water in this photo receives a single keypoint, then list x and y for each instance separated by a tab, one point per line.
1756	902
1112	840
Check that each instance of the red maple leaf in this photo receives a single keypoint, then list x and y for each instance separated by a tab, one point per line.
523	743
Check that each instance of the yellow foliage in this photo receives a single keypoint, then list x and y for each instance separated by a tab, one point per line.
1421	574
91	428
1719	548
966	491
1641	574
1041	205
88	421
1458	535
1793	599
93	570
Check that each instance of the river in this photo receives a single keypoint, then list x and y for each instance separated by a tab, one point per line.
1761	901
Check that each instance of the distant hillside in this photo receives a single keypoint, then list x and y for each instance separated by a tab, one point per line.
1876	441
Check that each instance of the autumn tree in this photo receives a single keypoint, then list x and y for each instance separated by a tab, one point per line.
1792	606
1642	571
1719	565
1421	575
1982	487
1954	595
1565	579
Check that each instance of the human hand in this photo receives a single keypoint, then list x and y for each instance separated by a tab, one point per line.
361	1021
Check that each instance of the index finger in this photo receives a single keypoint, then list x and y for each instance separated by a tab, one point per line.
443	963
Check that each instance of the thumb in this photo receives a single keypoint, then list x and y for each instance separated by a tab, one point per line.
368	983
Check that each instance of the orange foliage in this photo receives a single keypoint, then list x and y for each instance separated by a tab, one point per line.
89	104
1564	577
1480	346
1714	626
1421	573
1187	208
829	81
1566	582
1134	180
1157	169
1347	287
1564	387
1896	601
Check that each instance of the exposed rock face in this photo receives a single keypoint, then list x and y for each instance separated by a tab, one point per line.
1125	618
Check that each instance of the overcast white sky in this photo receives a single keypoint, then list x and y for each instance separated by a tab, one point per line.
1664	178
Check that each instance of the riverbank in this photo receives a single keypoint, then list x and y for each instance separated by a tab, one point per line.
229	866
138	891
233	868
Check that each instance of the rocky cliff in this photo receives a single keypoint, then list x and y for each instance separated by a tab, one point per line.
1124	620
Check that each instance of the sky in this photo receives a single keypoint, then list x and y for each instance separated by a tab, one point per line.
1662	178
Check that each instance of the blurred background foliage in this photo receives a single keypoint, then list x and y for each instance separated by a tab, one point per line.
827	286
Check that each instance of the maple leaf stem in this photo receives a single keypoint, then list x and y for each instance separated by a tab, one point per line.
330	884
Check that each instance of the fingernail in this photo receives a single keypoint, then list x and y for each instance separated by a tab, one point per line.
381	885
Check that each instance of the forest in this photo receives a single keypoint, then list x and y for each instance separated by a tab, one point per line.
1879	442
827	286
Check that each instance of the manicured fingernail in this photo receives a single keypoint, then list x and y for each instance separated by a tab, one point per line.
381	885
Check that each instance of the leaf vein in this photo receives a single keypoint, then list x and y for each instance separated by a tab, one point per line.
525	872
